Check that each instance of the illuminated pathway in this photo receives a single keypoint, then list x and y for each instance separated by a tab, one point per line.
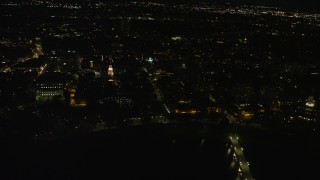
244	169
36	52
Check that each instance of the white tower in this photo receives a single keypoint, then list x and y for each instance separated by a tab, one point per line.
110	71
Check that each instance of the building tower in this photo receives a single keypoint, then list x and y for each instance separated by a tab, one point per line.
110	72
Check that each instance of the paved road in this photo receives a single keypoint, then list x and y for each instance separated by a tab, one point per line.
240	158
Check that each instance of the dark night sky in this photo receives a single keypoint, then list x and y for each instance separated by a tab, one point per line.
295	4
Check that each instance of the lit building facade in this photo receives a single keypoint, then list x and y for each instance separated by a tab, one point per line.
50	85
122	101
49	90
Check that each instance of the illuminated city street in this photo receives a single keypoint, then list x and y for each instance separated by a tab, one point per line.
159	89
